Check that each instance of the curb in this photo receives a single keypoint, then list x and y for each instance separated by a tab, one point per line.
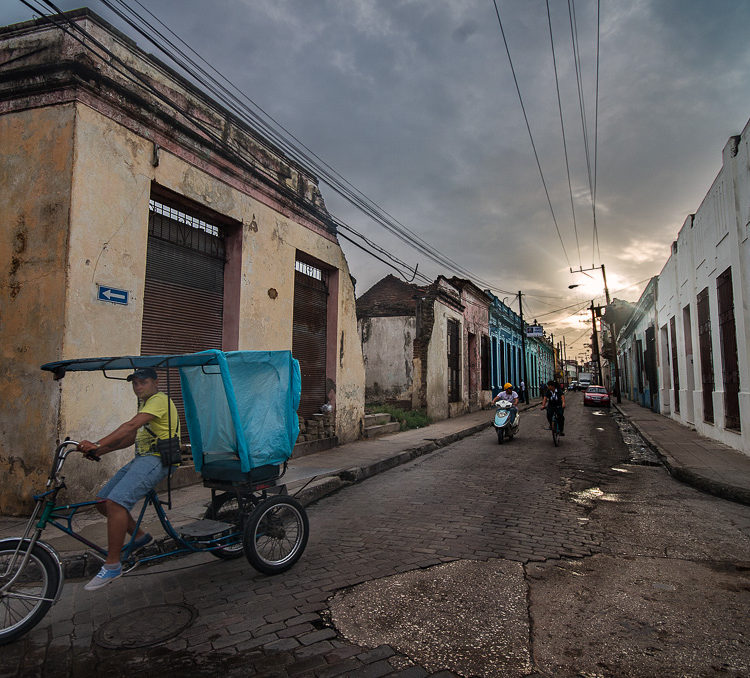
330	484
82	564
686	475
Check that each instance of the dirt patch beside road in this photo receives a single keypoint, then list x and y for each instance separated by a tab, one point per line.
466	616
620	616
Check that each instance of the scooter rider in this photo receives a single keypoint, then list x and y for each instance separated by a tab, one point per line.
512	397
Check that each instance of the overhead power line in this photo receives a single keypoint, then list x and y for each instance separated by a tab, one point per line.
596	123
562	129
528	128
100	50
578	305
253	115
584	124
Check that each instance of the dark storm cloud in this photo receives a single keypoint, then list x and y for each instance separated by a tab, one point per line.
414	103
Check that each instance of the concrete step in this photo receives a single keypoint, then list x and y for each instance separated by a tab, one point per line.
377	419
381	429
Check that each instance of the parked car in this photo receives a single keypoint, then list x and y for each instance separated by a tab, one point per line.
596	395
573	386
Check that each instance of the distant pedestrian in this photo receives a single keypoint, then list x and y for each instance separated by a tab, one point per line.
524	395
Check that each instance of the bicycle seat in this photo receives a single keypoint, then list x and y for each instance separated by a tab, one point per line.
225	468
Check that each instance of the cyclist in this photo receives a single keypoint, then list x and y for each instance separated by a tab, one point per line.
554	401
512	397
134	480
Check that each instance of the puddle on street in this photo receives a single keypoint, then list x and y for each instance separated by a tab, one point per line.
589	496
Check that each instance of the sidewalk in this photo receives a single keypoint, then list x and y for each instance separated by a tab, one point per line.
694	459
309	478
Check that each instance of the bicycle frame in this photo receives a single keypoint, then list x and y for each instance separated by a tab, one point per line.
61	517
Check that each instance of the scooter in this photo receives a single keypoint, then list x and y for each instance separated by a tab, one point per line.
502	421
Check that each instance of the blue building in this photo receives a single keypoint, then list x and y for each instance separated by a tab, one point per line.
506	348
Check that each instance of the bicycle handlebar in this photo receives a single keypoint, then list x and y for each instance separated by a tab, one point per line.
88	455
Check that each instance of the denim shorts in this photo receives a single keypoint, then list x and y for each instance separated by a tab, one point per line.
134	480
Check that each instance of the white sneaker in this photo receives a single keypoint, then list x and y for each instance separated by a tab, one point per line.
103	577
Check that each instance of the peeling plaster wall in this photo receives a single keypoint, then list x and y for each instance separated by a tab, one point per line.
388	348
108	175
77	181
35	176
111	186
437	367
108	236
476	322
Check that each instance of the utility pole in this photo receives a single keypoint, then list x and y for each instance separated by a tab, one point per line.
613	337
595	344
523	349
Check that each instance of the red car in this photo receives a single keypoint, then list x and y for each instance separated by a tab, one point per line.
597	396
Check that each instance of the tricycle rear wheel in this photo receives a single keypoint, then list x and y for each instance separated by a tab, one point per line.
276	534
24	604
227	510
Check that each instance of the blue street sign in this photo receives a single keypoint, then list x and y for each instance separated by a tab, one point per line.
112	294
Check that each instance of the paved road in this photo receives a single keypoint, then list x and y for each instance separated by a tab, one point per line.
601	563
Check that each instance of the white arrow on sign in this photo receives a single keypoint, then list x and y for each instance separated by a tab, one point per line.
112	295
115	295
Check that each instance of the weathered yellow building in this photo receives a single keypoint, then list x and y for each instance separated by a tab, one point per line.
139	216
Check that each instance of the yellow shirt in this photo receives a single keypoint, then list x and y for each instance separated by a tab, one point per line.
158	427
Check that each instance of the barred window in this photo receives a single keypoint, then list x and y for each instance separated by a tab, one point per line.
182	218
308	269
180	228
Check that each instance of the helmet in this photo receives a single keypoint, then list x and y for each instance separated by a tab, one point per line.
508	386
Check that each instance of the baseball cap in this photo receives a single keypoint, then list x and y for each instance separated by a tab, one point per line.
143	373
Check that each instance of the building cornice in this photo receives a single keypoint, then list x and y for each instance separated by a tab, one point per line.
42	66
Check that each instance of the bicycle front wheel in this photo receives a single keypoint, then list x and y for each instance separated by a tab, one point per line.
30	596
276	534
555	433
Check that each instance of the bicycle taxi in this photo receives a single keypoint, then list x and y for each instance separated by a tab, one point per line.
240	410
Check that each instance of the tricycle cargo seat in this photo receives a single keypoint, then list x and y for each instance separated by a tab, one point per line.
225	468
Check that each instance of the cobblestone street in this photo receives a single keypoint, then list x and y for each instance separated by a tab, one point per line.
525	501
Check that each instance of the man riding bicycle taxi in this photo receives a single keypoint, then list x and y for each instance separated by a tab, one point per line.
554	401
156	420
512	397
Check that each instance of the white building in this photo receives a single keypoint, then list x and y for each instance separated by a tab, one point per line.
637	351
703	309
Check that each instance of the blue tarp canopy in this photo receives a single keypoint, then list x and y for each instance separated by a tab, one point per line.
238	402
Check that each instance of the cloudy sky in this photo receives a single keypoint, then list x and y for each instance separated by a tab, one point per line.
414	103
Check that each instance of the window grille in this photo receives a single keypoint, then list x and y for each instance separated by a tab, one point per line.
308	269
180	228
